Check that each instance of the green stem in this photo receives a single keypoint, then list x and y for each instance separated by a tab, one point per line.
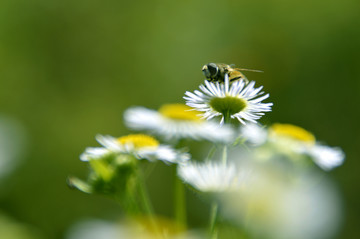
180	203
213	221
128	203
227	120
211	153
179	194
224	154
227	117
145	200
145	197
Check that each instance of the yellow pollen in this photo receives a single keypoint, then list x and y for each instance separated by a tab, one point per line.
139	140
293	131
179	112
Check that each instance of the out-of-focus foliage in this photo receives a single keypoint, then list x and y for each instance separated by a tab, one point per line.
68	70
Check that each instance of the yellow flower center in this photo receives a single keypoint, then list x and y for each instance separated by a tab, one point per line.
292	131
139	140
179	112
228	105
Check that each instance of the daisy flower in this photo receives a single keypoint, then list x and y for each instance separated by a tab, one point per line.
176	121
140	145
293	140
211	176
237	100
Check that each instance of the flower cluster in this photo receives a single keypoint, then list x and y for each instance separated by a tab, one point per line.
250	170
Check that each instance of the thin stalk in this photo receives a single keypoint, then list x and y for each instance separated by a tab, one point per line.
129	204
149	169
179	194
211	153
224	154
227	120
145	201
144	197
213	221
180	203
227	117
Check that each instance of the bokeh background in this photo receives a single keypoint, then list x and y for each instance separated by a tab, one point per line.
68	70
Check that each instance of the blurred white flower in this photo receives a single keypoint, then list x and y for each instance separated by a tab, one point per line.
237	100
101	229
254	134
277	205
176	121
294	142
140	145
327	157
94	229
212	176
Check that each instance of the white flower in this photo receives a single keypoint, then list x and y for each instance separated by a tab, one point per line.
279	205
300	141
238	100
94	229
327	157
254	134
211	176
140	145
139	228
176	121
293	141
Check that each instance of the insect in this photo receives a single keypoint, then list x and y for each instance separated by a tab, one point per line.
217	71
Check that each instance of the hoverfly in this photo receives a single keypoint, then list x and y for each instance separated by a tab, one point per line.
217	71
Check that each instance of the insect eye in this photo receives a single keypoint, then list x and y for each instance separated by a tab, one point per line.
213	69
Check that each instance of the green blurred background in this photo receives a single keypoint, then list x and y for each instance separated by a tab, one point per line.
68	70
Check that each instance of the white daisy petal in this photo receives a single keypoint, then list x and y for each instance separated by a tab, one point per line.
260	99
140	118
94	153
164	153
192	96
254	134
140	145
108	142
211	176
327	157
255	92
226	81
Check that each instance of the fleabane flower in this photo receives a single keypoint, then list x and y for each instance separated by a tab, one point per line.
293	140
176	121
211	176
140	145
237	100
